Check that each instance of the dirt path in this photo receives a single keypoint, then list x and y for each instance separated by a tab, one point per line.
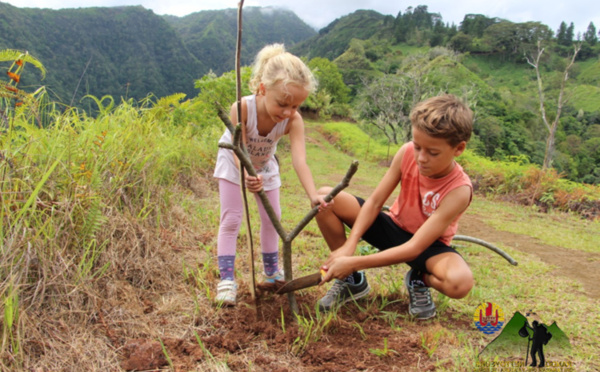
577	265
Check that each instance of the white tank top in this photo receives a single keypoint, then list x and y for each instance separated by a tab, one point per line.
261	150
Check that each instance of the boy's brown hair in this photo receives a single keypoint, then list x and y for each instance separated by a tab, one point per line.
444	116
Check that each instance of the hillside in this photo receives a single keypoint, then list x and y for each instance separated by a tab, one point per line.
333	40
131	52
120	51
211	35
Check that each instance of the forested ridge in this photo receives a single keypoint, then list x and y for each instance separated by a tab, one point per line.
372	68
389	63
131	52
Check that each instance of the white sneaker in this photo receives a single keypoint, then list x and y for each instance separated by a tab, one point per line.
226	293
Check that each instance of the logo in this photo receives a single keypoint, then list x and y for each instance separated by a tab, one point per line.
525	341
430	203
489	318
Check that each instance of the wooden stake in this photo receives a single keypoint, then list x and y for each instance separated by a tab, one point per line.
238	94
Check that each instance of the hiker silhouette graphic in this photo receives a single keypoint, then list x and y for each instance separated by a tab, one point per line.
540	337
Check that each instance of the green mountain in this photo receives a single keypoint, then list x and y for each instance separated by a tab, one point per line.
120	51
211	35
132	52
334	39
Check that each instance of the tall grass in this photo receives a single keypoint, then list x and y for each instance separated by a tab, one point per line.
351	139
71	193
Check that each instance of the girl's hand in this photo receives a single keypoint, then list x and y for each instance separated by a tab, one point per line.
320	201
254	184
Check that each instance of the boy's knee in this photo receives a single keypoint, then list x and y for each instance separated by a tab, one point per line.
462	285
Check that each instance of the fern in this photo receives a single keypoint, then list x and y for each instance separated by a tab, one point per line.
92	222
15	55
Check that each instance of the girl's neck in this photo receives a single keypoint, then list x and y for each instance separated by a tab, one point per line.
264	122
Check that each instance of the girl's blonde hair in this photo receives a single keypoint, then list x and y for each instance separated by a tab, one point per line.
274	65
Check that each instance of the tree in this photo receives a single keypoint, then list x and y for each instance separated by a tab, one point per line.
564	35
330	79
535	62
590	35
561	33
475	24
385	102
414	21
570	34
513	39
461	42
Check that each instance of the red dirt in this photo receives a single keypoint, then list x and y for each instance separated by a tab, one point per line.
245	335
348	342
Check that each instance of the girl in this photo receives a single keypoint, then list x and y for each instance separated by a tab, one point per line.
280	82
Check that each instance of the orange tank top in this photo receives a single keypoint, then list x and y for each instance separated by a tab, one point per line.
420	196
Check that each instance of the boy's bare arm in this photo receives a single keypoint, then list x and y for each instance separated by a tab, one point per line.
341	262
453	204
376	200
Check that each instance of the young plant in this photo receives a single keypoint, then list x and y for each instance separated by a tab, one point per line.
306	333
431	339
282	320
166	353
390	317
386	351
363	335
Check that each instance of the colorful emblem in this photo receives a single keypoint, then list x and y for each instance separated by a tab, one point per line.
489	318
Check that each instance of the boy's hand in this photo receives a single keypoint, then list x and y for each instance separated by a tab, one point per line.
338	268
338	265
254	184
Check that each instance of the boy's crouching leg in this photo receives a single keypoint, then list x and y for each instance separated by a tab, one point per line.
343	211
459	284
450	275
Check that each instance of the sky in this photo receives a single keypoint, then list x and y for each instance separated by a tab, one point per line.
319	13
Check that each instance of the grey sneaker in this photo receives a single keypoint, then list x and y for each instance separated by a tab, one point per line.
342	292
421	306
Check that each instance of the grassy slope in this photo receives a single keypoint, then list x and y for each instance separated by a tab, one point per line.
509	287
519	81
156	262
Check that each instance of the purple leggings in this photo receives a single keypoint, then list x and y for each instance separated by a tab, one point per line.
232	211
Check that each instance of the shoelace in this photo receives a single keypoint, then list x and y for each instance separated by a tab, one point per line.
336	288
421	296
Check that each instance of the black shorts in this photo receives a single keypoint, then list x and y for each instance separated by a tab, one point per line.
384	234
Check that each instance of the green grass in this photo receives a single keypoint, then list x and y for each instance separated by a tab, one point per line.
552	228
350	139
123	207
586	97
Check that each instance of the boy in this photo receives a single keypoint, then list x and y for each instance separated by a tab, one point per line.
418	229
